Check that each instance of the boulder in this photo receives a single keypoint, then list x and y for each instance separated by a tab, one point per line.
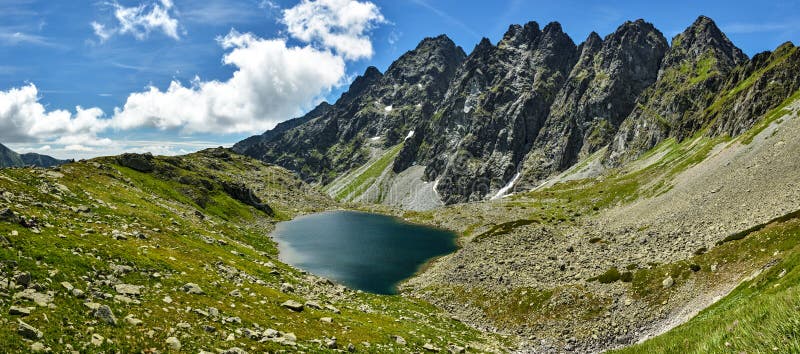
173	343
192	288
137	162
104	314
27	331
668	283
293	305
128	289
19	311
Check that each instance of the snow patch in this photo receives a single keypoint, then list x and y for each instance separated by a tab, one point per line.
375	138
410	134
503	191
388	108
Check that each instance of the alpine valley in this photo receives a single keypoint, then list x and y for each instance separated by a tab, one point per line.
627	194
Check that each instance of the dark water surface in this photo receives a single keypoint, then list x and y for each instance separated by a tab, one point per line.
363	251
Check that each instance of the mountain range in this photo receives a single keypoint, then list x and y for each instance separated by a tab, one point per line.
443	127
9	158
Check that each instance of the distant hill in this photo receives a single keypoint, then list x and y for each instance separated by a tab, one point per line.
9	158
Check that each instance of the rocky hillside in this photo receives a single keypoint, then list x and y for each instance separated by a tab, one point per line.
514	114
137	253
9	158
589	264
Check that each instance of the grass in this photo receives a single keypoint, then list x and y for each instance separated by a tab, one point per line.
359	183
760	315
176	252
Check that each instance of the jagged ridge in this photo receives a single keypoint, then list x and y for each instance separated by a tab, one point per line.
534	105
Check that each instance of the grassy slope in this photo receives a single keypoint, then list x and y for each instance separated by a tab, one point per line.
78	248
760	315
562	203
358	183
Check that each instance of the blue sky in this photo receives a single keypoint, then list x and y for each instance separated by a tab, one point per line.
238	67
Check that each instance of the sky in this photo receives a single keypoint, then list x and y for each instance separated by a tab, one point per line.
80	79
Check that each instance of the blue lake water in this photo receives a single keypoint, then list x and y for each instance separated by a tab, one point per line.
364	251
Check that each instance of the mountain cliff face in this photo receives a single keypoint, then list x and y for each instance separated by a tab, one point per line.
600	92
694	68
331	141
514	114
494	110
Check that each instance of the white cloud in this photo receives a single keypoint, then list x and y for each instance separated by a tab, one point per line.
341	25
101	31
272	82
24	119
139	21
13	38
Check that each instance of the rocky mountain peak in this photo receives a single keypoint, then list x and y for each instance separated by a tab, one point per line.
553	27
371	76
635	50
636	32
432	56
518	35
704	38
554	35
484	46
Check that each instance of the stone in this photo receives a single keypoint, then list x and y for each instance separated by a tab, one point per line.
428	347
668	282
23	279
138	162
332	309
19	311
104	314
293	305
133	321
287	288
67	286
120	269
128	289
326	319
235	293
313	305
331	343
192	288
38	347
173	343
40	299
270	333
399	340
91	305
234	350
78	293
27	331
97	340
252	334
455	349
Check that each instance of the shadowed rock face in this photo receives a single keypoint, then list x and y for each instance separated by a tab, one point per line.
600	92
533	105
691	73
386	105
137	162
